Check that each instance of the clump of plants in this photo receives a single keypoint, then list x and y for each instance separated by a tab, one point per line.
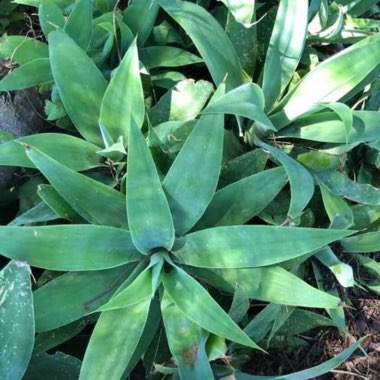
203	157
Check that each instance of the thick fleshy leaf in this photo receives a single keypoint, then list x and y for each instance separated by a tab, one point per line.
167	56
79	23
285	288
209	38
368	242
124	98
17	320
149	216
197	305
328	127
22	49
242	200
246	100
187	342
301	181
310	373
88	197
75	153
192	179
341	185
342	271
28	75
329	80
80	84
251	246
50	16
91	289
242	10
58	367
115	337
80	247
38	213
285	48
140	16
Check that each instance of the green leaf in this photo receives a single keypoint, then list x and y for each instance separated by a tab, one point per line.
88	197
79	23
368	242
301	182
75	153
242	10
329	80
124	98
22	49
81	85
192	179
251	246
141	16
115	337
329	127
197	305
240	304
50	16
285	288
242	200
209	38
246	100
81	247
38	213
149	216
285	48
167	56
310	373
28	75
17	320
58	367
342	271
91	289
338	211
187	342
341	185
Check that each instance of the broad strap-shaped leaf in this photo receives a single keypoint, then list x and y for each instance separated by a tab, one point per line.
139	289
187	342
193	177
368	242
16	320
242	200
80	84
28	75
246	100
209	38
69	247
91	289
22	49
285	288
124	98
329	127
242	10
115	337
73	152
38	213
140	16
251	246
331	80
301	181
342	271
88	197
341	185
50	16
197	305
149	216
79	23
167	56
310	373
285	48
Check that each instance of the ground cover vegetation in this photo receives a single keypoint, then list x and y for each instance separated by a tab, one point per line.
205	191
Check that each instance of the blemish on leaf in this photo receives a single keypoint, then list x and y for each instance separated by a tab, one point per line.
190	354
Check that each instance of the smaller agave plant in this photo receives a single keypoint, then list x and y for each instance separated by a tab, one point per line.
147	255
